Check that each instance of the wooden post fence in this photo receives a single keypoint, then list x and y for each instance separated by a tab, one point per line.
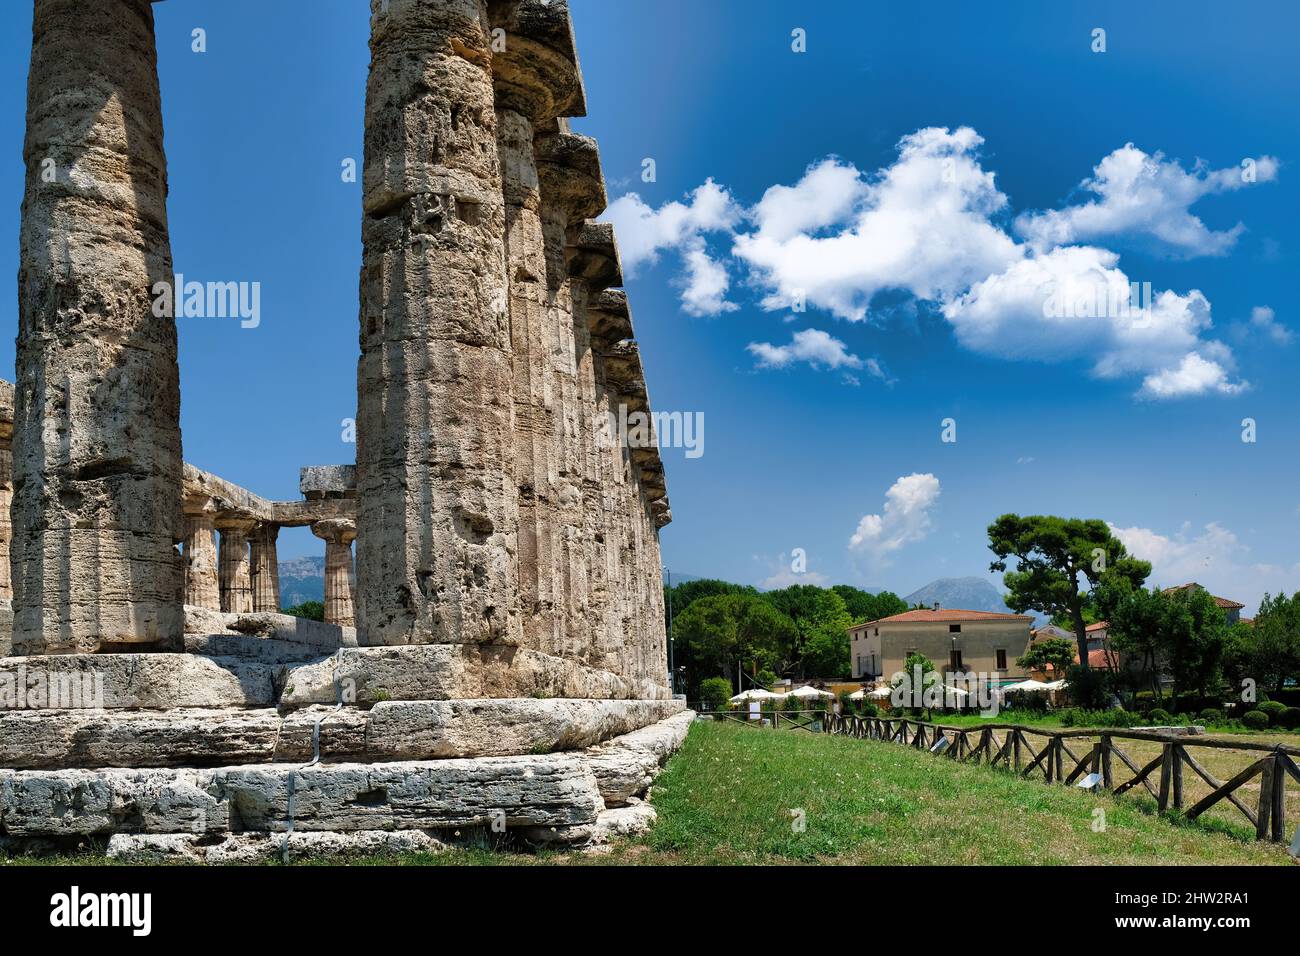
1273	765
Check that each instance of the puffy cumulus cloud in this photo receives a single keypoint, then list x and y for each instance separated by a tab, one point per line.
905	518
1263	319
1195	375
1075	301
704	291
1140	194
644	233
1212	556
826	194
927	225
921	225
819	349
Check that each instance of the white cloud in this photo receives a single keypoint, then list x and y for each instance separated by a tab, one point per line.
928	225
1145	195
817	348
920	225
826	194
707	282
1195	375
1264	319
1213	557
905	518
1075	302
643	233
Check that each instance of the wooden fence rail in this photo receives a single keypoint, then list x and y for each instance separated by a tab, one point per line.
1058	762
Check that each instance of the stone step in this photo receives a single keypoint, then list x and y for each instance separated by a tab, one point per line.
270	625
255	677
552	790
264	650
136	681
391	730
447	671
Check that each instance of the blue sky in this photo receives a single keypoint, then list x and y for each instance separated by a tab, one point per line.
918	264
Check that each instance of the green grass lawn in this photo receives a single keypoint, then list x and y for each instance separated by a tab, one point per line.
734	795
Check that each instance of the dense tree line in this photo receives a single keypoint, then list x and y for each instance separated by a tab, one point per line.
722	629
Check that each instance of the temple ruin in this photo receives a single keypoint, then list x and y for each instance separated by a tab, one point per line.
493	660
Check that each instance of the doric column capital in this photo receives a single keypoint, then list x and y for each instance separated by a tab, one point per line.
592	255
194	505
534	59
609	319
335	530
235	523
568	168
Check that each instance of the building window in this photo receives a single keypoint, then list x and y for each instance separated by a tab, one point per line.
877	634
954	628
1002	659
873	665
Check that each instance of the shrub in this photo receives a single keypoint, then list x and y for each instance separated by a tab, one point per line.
1273	708
1160	716
1210	715
1289	718
715	692
1255	720
867	709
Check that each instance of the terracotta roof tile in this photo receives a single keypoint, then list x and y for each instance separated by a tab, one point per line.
948	614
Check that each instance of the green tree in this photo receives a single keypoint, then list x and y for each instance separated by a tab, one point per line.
1052	556
1141	623
676	600
715	692
312	610
1274	647
908	676
815	613
1054	653
865	606
1195	643
727	630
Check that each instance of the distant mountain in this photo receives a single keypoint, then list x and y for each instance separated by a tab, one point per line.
966	594
302	579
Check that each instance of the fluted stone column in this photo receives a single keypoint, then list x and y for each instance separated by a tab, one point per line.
436	498
6	489
594	265
264	567
338	535
97	445
536	80
202	587
573	191
536	398
236	581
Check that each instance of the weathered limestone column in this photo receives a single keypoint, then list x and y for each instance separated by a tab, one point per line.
338	535
610	323
536	79
436	498
264	569
6	486
594	264
97	445
236	582
573	191
202	588
536	432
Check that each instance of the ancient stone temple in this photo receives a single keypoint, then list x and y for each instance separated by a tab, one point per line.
493	656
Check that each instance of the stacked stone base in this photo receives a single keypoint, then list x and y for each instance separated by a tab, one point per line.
240	758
